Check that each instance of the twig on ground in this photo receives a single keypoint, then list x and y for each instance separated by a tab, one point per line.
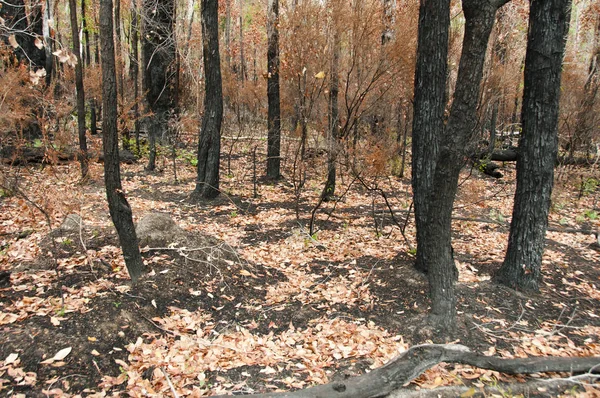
159	327
175	395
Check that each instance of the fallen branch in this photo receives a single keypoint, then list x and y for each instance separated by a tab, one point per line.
383	381
502	390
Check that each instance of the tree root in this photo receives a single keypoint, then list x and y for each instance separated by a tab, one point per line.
388	380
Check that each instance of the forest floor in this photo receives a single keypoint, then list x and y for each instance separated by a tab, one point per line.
290	310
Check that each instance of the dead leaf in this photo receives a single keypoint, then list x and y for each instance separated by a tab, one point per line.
268	370
59	356
62	354
63	55
11	358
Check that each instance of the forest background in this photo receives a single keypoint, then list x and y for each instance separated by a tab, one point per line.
299	117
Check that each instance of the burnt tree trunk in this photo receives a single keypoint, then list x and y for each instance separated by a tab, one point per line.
120	69
428	109
209	145
86	35
135	70
462	124
83	151
93	117
118	206
274	112
158	53
538	146
333	135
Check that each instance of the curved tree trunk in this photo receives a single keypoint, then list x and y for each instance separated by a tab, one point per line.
118	206
209	145
429	104
548	27
83	152
274	113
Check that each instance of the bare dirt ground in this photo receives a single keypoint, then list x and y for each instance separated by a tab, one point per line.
289	309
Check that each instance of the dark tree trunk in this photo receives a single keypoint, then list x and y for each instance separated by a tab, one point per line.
118	206
83	152
93	117
158	53
97	42
334	119
209	145
462	124
135	69
86	35
538	146
274	113
428	111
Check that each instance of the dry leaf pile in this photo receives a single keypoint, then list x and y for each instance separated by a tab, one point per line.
292	310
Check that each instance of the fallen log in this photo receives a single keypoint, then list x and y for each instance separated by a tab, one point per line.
507	155
390	378
125	156
27	155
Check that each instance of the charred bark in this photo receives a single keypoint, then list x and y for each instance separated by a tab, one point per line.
462	124
135	69
428	111
333	135
118	206
538	147
86	35
158	54
83	150
274	112
209	145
